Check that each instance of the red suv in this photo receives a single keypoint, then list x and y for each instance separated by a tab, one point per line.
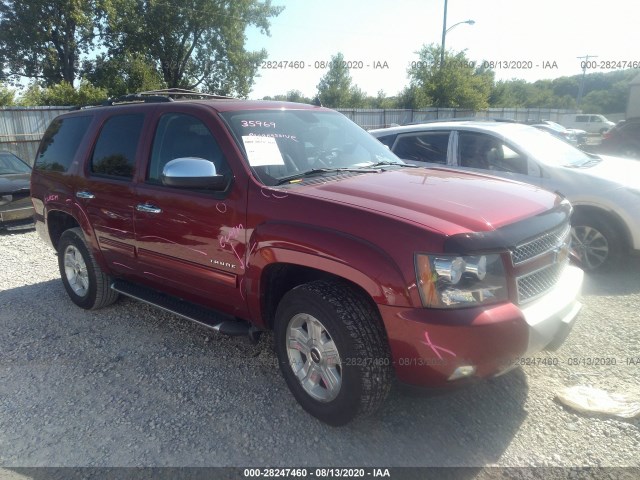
247	216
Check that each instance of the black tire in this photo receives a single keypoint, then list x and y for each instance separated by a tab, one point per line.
354	326
586	226
97	293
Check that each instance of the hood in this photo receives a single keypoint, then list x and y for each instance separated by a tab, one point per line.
14	183
439	197
622	172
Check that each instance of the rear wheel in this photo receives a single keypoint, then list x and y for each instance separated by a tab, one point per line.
86	284
594	241
332	351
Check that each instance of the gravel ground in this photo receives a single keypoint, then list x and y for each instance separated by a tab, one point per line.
131	385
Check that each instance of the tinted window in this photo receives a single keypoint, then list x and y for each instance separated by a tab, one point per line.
115	151
179	136
60	143
424	147
582	118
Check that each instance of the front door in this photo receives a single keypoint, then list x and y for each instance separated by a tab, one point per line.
191	243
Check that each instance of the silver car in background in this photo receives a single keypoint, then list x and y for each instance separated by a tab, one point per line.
605	191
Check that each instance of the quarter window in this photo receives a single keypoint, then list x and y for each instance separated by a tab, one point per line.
60	143
115	151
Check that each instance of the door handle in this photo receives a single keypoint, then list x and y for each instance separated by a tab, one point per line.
85	194
148	208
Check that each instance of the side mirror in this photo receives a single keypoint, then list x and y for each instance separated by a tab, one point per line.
191	172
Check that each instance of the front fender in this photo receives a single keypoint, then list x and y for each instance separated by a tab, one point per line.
354	259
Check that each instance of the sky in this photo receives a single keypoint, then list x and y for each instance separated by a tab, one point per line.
524	36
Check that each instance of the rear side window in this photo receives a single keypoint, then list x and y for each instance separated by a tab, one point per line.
582	118
60	143
115	152
425	147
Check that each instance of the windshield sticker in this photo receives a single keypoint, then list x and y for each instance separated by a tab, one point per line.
262	151
275	135
257	123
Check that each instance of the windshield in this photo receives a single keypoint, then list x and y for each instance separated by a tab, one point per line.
547	148
286	143
10	164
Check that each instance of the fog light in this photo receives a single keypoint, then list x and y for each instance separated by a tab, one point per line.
462	372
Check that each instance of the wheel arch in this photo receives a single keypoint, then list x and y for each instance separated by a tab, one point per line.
611	217
275	267
58	221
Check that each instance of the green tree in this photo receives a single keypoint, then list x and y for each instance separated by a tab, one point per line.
63	94
454	84
193	44
335	89
7	96
44	39
127	73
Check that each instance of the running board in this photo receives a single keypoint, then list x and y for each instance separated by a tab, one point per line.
217	321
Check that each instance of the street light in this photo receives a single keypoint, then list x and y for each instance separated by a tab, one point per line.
446	30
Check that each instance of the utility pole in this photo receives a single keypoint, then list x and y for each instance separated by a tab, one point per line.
584	72
444	34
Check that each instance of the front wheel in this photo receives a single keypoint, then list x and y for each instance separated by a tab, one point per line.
86	284
594	242
333	351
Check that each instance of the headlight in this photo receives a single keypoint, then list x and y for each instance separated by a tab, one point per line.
450	281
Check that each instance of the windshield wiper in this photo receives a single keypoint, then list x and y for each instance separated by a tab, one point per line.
317	171
385	163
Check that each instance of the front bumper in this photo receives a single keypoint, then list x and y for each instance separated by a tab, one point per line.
430	346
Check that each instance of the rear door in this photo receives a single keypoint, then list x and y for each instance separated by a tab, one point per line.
106	192
191	243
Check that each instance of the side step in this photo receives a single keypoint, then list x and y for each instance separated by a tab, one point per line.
220	322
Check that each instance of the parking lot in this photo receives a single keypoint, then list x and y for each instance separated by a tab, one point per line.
131	385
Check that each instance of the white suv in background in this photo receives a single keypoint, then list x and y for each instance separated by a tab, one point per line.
591	123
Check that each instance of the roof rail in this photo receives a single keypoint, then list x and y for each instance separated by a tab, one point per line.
182	93
137	98
463	119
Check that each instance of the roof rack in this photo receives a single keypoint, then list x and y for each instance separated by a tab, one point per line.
182	93
155	96
136	98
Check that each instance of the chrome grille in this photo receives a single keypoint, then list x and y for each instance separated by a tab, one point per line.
534	284
541	245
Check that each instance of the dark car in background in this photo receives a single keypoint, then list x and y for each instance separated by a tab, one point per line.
623	139
16	210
